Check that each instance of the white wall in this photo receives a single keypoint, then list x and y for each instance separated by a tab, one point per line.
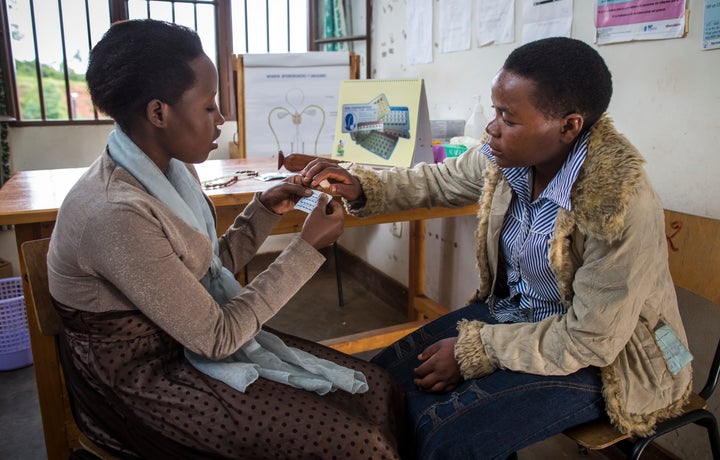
49	147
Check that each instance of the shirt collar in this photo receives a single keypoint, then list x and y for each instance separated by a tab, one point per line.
558	191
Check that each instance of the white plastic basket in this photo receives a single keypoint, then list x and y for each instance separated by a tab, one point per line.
15	349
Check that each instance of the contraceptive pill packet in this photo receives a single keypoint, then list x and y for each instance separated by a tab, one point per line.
308	203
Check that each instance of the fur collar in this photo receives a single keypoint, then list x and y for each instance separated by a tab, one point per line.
608	178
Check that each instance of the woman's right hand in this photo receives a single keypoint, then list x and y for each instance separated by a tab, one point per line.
324	225
341	181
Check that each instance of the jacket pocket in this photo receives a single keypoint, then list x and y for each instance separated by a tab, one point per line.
674	351
644	357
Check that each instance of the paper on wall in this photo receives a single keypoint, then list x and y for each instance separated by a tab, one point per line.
628	20
546	18
419	26
454	25
495	21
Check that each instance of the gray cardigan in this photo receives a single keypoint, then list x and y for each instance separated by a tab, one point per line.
115	247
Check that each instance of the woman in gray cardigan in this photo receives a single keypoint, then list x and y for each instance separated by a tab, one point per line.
575	313
142	283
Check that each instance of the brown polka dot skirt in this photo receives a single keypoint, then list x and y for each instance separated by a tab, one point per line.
134	393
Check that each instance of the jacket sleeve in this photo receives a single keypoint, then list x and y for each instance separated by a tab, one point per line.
456	182
611	286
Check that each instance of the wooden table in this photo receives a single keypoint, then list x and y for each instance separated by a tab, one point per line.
30	200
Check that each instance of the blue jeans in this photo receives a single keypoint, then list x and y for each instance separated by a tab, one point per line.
494	416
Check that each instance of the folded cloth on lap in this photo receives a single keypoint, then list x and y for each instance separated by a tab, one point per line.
268	357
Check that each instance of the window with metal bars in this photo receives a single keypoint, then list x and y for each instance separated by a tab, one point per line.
337	25
46	43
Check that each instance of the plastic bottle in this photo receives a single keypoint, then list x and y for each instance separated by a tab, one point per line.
475	125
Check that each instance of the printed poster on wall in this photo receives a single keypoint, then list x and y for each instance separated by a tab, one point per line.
383	123
711	25
291	101
628	20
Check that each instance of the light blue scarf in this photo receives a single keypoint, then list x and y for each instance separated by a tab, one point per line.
180	191
264	355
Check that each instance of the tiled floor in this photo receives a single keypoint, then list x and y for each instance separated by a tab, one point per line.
314	313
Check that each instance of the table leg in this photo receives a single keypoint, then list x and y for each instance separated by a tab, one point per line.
416	261
420	306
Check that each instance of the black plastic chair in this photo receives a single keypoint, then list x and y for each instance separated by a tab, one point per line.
601	434
695	412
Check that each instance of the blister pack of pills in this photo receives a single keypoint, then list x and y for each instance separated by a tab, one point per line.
308	203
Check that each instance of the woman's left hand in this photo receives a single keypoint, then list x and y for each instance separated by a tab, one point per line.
282	197
439	373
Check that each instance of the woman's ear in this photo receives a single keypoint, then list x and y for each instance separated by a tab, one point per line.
155	111
572	127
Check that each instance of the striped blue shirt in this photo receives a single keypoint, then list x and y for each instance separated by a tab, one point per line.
525	240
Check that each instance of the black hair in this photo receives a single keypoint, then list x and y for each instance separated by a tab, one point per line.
570	77
137	61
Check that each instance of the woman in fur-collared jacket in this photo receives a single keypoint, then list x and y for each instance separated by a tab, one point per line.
575	314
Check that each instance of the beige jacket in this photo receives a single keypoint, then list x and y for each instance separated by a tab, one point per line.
609	255
115	247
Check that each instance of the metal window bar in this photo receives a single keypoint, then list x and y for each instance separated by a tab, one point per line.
68	97
195	14
219	49
246	26
64	68
357	38
117	9
267	25
173	12
88	25
38	68
274	17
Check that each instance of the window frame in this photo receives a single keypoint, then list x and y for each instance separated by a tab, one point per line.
118	11
316	40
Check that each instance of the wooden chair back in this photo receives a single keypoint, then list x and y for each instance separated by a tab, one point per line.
35	255
58	424
694	253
